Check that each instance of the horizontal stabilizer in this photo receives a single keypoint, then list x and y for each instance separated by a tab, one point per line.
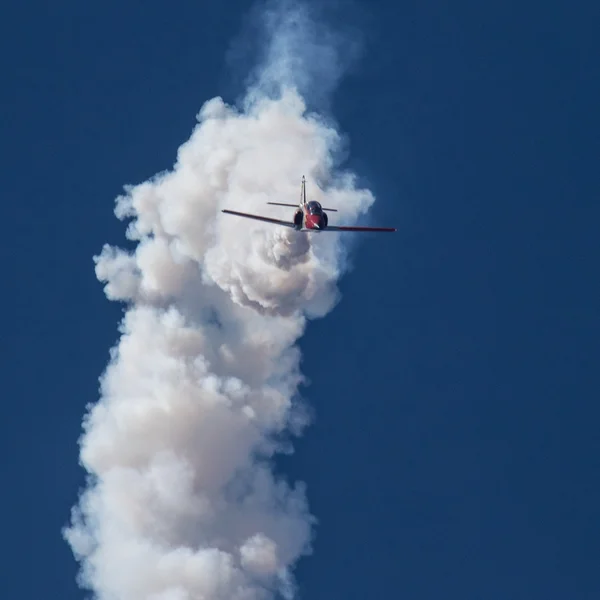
296	206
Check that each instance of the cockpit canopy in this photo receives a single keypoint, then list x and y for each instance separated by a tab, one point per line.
314	208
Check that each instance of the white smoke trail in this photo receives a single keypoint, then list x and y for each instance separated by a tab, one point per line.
182	502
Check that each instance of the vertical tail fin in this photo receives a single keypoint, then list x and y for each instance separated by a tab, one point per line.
303	192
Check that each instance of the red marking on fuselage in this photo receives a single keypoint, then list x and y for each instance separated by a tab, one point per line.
312	221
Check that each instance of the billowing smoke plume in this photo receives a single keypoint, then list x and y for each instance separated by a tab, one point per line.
201	390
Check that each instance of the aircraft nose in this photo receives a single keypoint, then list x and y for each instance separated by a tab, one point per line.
315	221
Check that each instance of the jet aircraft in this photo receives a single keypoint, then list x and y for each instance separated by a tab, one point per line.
309	216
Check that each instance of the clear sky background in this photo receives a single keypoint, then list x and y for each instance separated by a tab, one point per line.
455	452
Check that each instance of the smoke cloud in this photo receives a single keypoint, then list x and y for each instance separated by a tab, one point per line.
201	390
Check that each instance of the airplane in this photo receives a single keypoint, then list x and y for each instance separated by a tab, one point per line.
309	216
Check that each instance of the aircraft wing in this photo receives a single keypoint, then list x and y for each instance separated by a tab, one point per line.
259	218
334	228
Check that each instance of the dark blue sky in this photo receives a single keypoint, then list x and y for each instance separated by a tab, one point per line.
455	452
